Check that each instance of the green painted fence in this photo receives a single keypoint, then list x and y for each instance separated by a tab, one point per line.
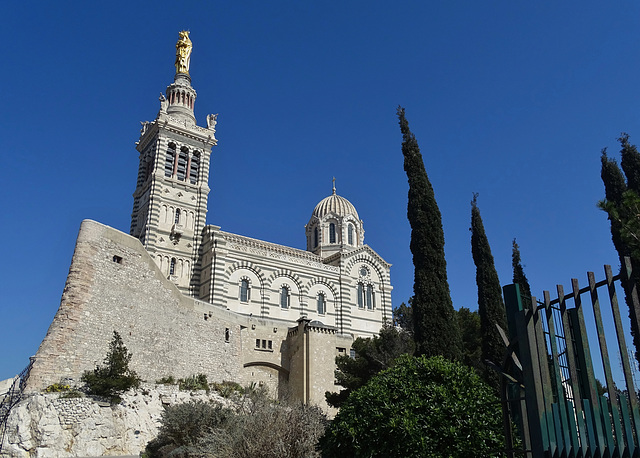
550	394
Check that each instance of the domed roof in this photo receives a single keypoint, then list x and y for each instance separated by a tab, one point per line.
335	204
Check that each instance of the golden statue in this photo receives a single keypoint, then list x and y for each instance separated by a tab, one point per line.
183	52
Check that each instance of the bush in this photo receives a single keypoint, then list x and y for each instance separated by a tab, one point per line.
420	407
267	430
194	383
72	394
166	381
182	425
114	377
260	428
227	389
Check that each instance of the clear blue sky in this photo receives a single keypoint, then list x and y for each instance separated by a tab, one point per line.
513	100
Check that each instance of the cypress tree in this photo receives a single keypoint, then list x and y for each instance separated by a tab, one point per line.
630	163
519	278
614	188
436	329
490	304
621	204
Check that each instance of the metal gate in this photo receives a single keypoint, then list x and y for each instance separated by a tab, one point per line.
550	394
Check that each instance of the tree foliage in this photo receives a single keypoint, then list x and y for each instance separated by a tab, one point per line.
114	377
630	163
519	277
490	304
622	204
421	407
372	355
626	216
436	330
403	316
469	322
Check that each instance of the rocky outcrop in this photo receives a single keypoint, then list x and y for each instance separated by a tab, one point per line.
49	425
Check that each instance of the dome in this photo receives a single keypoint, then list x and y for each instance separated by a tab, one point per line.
335	204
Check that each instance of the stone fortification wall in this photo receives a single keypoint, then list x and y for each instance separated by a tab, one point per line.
113	284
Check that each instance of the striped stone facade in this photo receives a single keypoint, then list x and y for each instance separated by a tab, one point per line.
189	298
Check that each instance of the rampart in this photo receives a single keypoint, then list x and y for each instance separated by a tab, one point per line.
114	285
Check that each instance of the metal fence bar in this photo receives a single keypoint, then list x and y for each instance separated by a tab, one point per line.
626	422
604	354
606	413
622	346
630	287
562	436
583	356
631	291
575	411
543	369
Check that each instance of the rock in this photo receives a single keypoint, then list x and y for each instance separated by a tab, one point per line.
46	425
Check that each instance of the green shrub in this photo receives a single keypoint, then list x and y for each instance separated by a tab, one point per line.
226	389
72	394
114	377
166	381
194	383
419	408
267	429
262	429
182	425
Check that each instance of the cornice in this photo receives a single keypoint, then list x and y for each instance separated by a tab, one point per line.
255	243
370	251
273	250
184	128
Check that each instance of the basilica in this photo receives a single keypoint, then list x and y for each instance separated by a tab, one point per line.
189	298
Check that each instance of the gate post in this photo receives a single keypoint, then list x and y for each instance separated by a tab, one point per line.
522	329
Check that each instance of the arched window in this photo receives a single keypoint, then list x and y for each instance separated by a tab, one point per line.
350	234
332	233
245	290
183	158
360	295
169	161
284	297
315	236
195	167
322	304
177	218
370	298
172	267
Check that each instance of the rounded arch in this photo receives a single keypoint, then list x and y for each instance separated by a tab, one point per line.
277	367
247	266
294	277
366	259
322	282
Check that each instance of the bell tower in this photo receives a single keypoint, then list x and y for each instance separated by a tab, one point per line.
170	200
